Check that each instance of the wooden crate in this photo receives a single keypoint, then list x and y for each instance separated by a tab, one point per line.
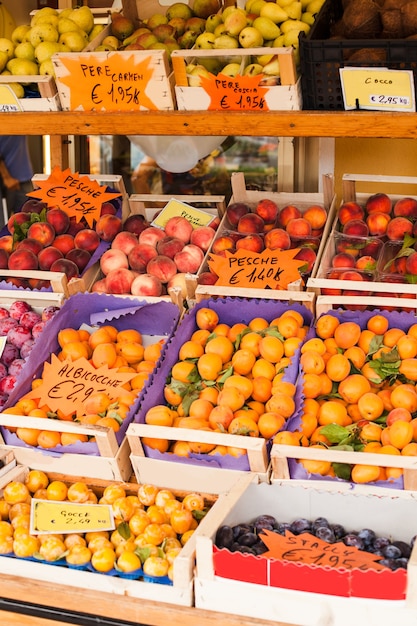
180	592
143	9
239	590
284	96
58	282
48	100
302	200
374	284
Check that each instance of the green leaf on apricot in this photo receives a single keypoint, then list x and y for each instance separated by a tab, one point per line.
342	470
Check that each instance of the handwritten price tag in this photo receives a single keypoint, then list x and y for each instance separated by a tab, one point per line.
241	93
270	269
67	384
67	517
308	549
78	196
176	208
378	89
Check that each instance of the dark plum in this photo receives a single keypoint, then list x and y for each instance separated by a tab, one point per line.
318	522
391	552
240	529
367	535
259	548
265	519
338	530
247	539
351	539
283	526
300	525
380	543
325	534
404	547
224	537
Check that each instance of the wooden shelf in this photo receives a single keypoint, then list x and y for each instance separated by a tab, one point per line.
274	123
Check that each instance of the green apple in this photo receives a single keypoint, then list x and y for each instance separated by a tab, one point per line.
42	32
45	50
225	42
22	67
19	33
267	28
231	69
83	17
4	57
96	30
235	21
273	12
250	37
7	45
41	13
294	10
111	41
205	41
47	68
25	50
212	21
74	40
256	6
294	25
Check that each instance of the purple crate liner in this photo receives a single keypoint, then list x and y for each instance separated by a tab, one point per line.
398	319
230	311
158	319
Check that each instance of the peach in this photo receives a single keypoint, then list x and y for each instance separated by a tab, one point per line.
250	223
372	247
377	223
287	213
347	245
298	227
43	232
47	256
179	284
146	285
64	242
4	259
356	228
140	255
66	266
162	267
225	242
189	259
23	260
343	259
411	263
151	235
378	203
277	239
107	208
33	245
58	219
75	227
406	207
309	257
119	281
366	263
250	242
350	211
207	278
80	257
33	206
87	239
316	215
399	227
202	236
125	241
400	265
267	210
235	211
108	226
6	243
215	223
169	246
179	227
351	275
99	286
135	224
17	219
113	260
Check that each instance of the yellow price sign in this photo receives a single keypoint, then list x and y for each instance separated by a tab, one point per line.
378	89
9	102
175	208
48	516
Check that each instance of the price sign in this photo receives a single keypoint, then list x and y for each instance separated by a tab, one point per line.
48	516
378	89
78	196
311	550
67	384
241	93
113	81
176	208
9	102
270	269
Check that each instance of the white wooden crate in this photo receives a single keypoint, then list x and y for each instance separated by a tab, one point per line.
48	99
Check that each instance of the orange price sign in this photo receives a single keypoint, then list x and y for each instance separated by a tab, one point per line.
240	93
311	550
78	196
115	81
269	269
67	384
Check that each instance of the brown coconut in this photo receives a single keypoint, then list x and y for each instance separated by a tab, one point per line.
372	56
393	4
409	18
392	24
361	20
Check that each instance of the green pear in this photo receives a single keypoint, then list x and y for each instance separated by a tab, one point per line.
121	27
205	41
267	28
272	68
292	38
135	35
253	69
212	21
47	68
235	22
25	50
294	10
7	45
96	30
220	30
231	69
45	50
65	12
42	32
314	6
225	42
179	9
22	67
212	64
257	5
48	19
294	25
195	74
83	17
251	37
274	12
19	33
111	41
4	57
156	19
74	40
41	13
283	3
65	24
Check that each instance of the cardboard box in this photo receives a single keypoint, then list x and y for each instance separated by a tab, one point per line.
301	200
45	94
108	455
180	592
284	94
201	469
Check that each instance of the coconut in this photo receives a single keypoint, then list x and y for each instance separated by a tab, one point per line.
373	56
409	18
393	4
361	20
392	24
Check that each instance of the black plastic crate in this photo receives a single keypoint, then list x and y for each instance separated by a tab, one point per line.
321	57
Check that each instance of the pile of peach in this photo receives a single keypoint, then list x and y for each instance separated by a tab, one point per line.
44	238
230	379
122	351
151	526
359	385
268	227
148	261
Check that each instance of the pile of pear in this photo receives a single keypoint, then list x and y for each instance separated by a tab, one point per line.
29	50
